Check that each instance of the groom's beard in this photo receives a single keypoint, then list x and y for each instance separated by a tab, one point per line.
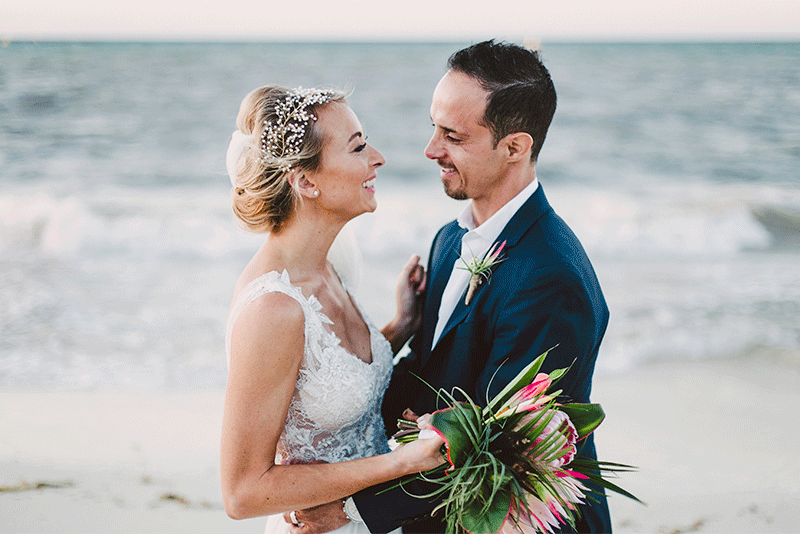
456	194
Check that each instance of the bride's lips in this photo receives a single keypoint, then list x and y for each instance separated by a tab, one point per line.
369	185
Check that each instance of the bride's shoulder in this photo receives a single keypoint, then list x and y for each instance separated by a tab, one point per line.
266	342
271	319
275	307
266	297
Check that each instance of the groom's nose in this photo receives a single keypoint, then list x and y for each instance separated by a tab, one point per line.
434	148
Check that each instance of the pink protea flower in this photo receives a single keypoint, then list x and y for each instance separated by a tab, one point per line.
528	398
569	491
560	433
555	446
537	518
546	510
554	503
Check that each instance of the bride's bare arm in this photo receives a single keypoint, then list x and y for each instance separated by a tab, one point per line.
410	287
266	351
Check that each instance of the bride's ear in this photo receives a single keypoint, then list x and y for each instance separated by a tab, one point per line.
302	184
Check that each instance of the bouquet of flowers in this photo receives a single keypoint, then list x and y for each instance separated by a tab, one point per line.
512	466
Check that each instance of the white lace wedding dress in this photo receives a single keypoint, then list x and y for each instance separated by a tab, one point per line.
335	413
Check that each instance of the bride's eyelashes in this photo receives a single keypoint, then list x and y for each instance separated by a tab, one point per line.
362	146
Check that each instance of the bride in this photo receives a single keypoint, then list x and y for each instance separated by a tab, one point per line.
307	369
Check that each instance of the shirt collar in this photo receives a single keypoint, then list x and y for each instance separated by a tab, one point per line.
491	228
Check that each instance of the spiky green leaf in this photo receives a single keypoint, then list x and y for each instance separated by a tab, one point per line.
480	519
524	378
585	417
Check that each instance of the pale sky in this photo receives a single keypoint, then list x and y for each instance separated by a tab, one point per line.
436	20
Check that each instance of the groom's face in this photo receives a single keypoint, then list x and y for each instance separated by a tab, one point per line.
461	144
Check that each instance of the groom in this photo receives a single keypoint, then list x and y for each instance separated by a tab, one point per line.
491	111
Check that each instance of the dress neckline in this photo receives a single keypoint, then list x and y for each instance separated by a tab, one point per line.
316	306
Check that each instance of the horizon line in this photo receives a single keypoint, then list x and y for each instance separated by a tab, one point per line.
6	40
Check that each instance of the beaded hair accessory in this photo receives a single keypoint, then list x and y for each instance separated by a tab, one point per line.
283	136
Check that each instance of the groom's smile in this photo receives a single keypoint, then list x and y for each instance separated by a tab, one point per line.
461	144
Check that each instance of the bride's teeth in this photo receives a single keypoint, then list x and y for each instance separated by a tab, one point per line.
368	184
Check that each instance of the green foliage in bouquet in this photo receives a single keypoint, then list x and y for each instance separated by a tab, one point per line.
512	466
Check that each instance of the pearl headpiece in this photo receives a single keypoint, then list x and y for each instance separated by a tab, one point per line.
283	136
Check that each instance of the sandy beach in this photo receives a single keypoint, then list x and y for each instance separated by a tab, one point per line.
715	442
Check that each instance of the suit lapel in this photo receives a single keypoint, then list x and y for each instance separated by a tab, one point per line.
443	257
527	216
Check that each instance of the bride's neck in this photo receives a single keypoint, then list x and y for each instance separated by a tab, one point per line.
301	247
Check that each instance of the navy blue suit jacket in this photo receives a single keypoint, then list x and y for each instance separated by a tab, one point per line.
544	294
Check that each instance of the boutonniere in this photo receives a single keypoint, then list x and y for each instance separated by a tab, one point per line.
481	269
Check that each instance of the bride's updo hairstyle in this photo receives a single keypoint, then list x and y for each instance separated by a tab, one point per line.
276	133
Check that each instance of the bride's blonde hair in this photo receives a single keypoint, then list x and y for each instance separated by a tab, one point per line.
263	197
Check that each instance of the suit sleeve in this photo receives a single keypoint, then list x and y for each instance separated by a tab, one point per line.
384	509
549	310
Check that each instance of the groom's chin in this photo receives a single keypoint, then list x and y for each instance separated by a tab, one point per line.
455	194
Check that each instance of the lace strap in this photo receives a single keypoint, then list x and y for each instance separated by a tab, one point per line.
274	282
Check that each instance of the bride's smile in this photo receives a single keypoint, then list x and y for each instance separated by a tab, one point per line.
347	173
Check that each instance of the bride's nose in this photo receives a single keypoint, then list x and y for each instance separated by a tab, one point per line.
377	159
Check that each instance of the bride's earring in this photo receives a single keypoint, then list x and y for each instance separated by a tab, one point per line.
315	193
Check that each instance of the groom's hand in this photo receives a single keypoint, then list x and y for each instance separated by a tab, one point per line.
319	519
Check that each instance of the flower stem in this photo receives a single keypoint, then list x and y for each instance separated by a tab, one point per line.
474	282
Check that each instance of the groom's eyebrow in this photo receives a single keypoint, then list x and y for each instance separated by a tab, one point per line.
445	128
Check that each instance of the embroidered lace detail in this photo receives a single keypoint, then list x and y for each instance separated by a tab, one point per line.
335	413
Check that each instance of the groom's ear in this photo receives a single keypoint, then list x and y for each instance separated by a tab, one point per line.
517	146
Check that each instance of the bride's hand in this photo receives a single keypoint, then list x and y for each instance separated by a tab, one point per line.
410	286
409	295
425	453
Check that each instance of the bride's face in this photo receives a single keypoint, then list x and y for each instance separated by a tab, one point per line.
348	167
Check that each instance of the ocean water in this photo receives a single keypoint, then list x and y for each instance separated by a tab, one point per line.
678	166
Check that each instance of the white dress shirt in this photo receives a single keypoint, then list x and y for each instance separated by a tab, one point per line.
476	243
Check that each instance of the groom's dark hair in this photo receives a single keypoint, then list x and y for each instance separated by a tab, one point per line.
522	97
